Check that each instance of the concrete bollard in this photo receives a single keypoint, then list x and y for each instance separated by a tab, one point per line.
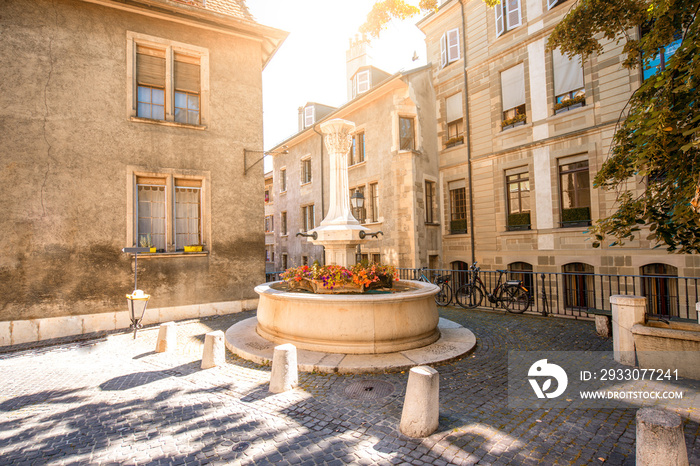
421	406
626	312
660	439
284	368
214	353
602	326
167	337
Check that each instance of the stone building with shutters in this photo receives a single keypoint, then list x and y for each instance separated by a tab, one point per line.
522	132
392	163
127	124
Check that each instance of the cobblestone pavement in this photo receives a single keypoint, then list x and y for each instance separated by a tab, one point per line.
112	400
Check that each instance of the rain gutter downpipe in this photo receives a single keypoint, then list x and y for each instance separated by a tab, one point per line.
467	134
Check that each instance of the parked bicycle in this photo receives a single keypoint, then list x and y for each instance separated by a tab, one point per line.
444	296
511	294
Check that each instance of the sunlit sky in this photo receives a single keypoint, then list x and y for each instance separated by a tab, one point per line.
310	65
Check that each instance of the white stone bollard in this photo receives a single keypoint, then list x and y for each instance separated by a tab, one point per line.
660	439
602	326
284	369
421	406
626	312
214	353
167	337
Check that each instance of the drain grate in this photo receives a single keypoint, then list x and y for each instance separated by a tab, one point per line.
369	390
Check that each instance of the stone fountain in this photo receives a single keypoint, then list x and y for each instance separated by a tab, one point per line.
353	332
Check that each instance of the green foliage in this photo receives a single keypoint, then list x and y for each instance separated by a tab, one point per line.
519	219
654	162
576	215
458	226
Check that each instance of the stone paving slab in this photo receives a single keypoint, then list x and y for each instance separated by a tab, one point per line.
455	341
113	400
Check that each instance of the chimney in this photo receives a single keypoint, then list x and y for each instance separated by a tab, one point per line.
356	56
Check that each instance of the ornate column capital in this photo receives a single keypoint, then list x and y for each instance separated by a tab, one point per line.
337	135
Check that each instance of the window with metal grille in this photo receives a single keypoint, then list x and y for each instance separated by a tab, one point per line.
518	187
579	289
188	213
574	191
660	287
151	213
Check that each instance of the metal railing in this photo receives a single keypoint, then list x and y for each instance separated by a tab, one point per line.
573	294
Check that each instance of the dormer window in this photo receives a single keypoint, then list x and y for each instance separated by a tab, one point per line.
361	83
309	116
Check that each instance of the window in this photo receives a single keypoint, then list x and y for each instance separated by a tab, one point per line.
377	258
308	116
150	80
360	213
373	202
552	3
460	274
161	224
283	180
658	63
406	134
513	96
523	271
579	292
269	253
306	171
269	224
430	202
357	154
507	16
187	87
449	47
568	82
167	80
283	223
267	195
361	82
304	260
458	207
660	287
307	215
284	261
455	121
518	187
574	193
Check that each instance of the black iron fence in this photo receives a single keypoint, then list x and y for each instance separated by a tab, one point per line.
574	294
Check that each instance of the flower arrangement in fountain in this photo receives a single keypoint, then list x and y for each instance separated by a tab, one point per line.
335	277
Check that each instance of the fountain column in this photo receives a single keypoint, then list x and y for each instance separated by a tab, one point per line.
339	231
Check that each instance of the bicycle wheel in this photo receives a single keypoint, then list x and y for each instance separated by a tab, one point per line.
444	296
515	299
469	296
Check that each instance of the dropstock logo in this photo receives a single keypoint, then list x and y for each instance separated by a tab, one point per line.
542	369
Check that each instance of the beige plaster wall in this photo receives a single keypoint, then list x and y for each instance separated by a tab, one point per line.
67	141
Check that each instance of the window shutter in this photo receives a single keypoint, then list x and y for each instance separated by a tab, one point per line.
454	107
362	82
568	74
187	74
513	86
308	116
452	45
150	66
551	3
443	50
513	13
498	9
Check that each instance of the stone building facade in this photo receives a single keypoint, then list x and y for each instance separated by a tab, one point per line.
518	155
392	159
126	123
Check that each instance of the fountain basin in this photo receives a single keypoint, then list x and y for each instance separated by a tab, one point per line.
350	324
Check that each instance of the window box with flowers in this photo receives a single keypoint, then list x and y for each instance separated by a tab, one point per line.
517	120
454	141
569	103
